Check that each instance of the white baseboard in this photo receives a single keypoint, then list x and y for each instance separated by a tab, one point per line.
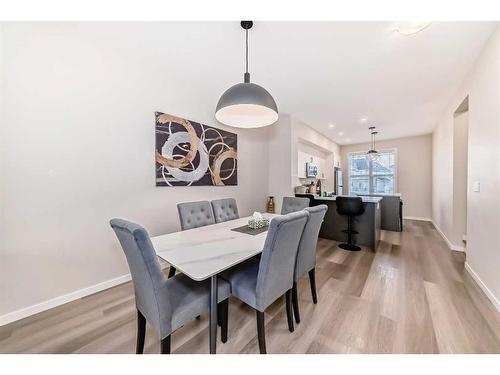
417	218
483	287
61	300
450	245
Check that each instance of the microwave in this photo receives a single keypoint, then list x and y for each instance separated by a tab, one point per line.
311	170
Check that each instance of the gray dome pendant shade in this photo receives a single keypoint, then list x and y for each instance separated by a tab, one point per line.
246	105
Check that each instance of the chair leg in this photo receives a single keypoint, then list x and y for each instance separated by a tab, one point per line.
141	333
312	281
295	301
261	333
289	312
223	315
165	345
171	272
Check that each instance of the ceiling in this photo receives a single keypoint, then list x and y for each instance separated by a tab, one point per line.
320	72
340	72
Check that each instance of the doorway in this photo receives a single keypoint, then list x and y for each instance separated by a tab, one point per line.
460	173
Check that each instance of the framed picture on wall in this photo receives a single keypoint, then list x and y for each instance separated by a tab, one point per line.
189	153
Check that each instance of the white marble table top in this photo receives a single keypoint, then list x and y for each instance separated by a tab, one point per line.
203	252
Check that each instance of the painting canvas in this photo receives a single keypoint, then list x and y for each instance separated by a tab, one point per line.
189	153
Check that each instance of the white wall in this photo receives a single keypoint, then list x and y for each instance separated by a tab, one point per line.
77	133
326	152
280	165
414	171
483	208
460	157
287	139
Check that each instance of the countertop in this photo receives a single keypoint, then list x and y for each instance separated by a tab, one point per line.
381	195
365	199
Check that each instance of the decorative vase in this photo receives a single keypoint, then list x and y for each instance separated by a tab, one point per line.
270	205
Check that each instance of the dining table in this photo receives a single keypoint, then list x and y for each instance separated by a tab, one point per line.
203	253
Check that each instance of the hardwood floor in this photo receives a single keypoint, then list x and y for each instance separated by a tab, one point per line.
412	296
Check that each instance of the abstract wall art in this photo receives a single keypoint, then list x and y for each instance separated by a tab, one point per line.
189	153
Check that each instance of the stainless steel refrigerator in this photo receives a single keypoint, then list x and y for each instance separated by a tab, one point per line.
338	181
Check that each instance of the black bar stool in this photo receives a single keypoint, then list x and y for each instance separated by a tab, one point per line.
350	207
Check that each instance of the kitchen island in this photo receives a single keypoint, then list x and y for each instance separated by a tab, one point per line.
367	224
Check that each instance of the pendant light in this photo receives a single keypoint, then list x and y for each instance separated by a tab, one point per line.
246	105
372	153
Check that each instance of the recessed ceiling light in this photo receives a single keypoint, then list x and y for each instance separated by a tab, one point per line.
410	27
363	119
331	126
348	140
341	134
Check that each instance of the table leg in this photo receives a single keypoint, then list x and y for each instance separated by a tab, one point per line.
213	314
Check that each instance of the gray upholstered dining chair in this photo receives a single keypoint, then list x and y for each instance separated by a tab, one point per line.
293	204
306	256
193	215
225	209
166	304
259	283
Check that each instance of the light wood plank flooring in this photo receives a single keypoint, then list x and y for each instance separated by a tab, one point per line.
411	296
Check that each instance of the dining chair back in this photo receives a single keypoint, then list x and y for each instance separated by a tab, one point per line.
293	204
306	255
195	214
225	209
277	263
147	276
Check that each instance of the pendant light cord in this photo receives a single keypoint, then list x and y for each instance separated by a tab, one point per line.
246	50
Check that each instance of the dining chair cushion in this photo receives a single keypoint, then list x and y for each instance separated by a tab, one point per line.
243	279
195	214
293	204
191	298
225	209
306	256
166	303
274	277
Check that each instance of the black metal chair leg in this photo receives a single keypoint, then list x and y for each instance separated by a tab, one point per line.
289	312
171	272
261	333
165	345
295	302
141	333
223	315
312	281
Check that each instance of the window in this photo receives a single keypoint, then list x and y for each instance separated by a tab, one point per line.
372	177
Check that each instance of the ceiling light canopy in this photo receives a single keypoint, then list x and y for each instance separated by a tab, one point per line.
410	27
246	105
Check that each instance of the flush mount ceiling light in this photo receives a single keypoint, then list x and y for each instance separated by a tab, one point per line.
372	153
331	126
410	27
246	105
